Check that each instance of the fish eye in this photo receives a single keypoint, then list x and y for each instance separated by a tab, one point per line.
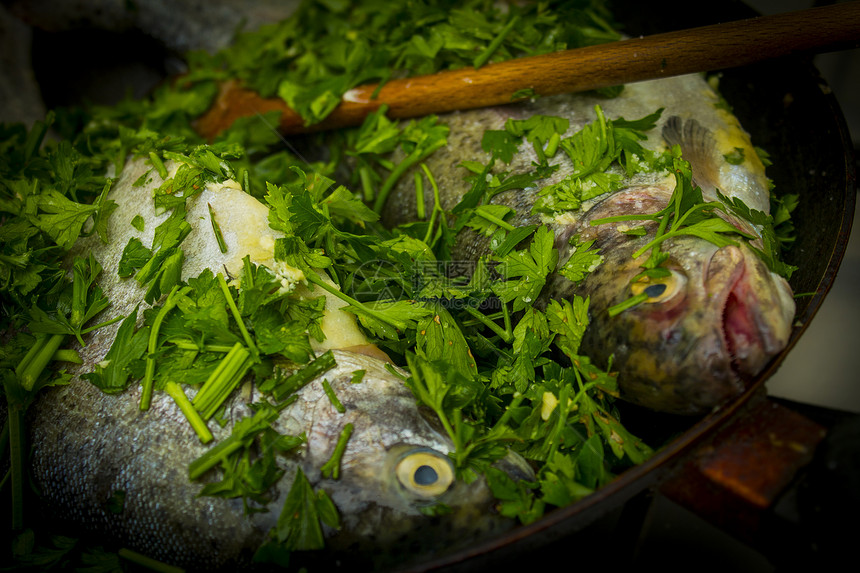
425	472
660	288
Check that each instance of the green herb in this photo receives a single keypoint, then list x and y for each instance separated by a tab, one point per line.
152	346
244	431
299	526
158	164
112	375
83	298
134	257
526	270
223	380
175	391
583	260
332	397
736	157
138	223
217	230
284	388
148	562
526	93
592	151
331	469
627	304
419	139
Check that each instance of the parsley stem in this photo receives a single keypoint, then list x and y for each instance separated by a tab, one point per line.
392	178
488	52
31	354
175	391
331	469
332	397
36	136
460	454
80	286
148	562
191	345
259	422
506	335
518	397
400	169
313	278
67	355
149	373
629	303
208	460
437	203
552	144
655	242
37	359
101	324
216	228
237	315
222	381
244	175
366	183
443	419
158	164
494	220
419	196
297	380
550	444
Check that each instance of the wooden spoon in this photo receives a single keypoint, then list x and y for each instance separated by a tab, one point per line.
700	49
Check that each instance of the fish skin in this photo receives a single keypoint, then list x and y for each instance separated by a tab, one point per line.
686	354
88	444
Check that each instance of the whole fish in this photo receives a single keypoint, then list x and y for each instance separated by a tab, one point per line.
717	319
90	447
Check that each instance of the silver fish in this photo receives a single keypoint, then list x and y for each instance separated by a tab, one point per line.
88	445
721	316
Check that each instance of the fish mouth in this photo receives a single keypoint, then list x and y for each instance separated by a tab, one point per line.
754	325
738	331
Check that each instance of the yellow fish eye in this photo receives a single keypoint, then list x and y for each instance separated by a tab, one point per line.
425	473
659	289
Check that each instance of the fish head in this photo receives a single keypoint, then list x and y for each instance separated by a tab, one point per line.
398	491
705	328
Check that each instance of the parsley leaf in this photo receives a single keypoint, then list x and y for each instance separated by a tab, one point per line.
525	271
112	374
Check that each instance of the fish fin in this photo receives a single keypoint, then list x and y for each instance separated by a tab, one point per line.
698	146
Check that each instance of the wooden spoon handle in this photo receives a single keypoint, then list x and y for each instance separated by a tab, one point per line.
700	49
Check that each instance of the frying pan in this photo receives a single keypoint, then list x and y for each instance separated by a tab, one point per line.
789	111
